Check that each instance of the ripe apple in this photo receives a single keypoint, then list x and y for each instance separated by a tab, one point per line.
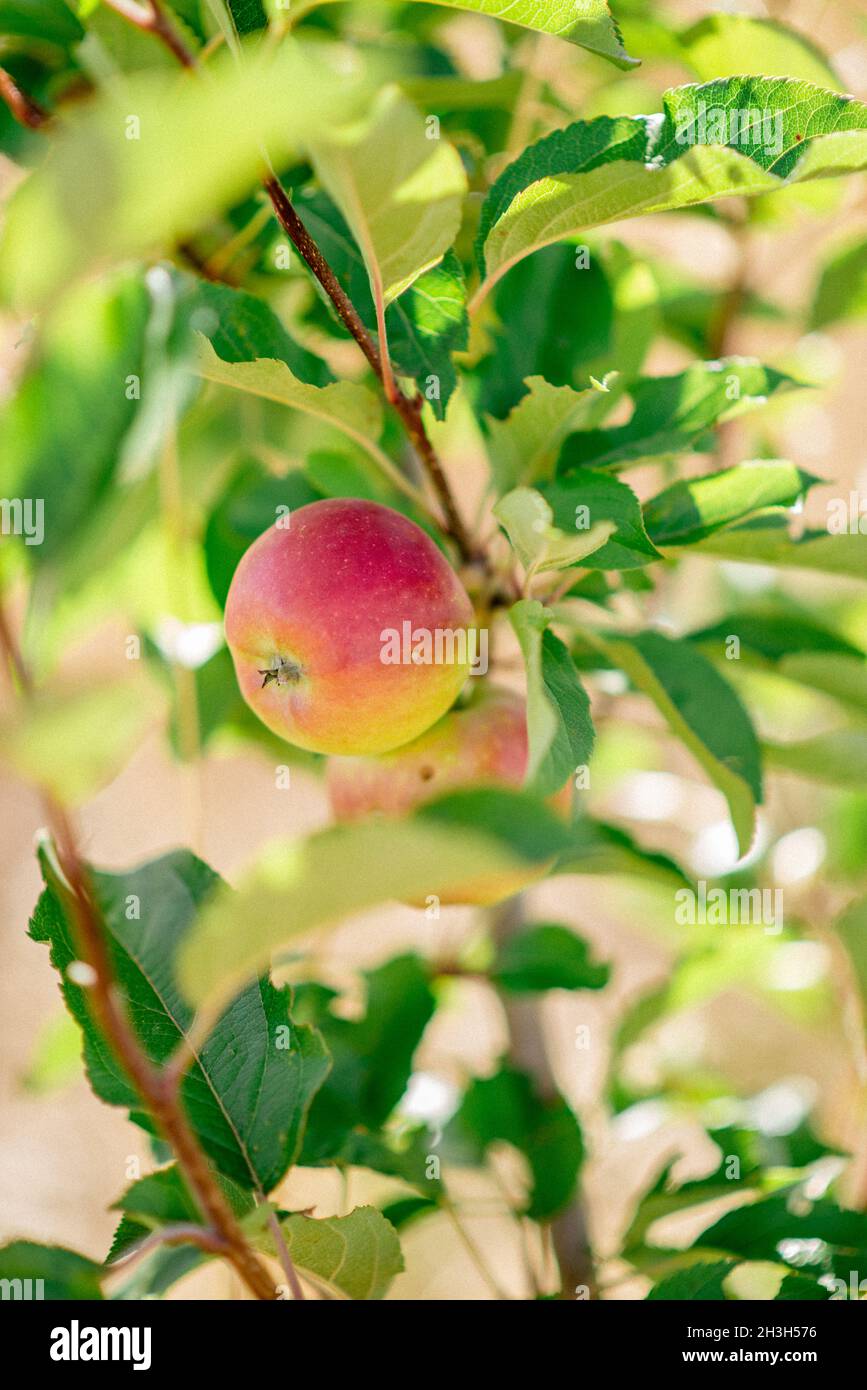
483	743
311	618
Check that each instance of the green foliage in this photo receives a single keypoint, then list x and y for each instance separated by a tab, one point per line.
249	1087
182	372
547	957
504	1108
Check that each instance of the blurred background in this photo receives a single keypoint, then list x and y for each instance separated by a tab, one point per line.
758	1025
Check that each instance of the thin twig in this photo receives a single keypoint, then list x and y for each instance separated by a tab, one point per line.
26	111
151	18
182	1233
109	1010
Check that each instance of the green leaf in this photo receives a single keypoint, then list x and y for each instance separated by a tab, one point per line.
424	325
693	508
106	195
350	408
734	45
698	1281
699	148
559	726
591	497
504	1108
250	504
241	328
547	957
371	1056
61	1274
599	848
703	711
675	413
838	758
248	1091
56	1056
765	540
528	521
567	318
62	432
587	23
524	446
296	886
356	1255
842	289
163	1197
400	192
74	741
851	929
775	632
814	1236
50	21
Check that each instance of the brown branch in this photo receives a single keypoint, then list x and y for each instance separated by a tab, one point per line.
26	111
527	1051
151	18
409	409
107	1006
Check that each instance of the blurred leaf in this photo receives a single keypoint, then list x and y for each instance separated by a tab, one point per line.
62	432
698	1281
75	741
504	1108
815	1236
371	1057
606	499
703	711
842	289
400	192
559	726
562	184
547	957
459	840
356	1255
693	508
591	26
851	929
113	189
66	1275
528	520
776	632
248	1091
250	504
56	1056
406	1210
839	757
524	446
731	45
598	848
676	413
765	540
50	21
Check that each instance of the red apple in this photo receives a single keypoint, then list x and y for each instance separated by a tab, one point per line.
324	615
483	743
